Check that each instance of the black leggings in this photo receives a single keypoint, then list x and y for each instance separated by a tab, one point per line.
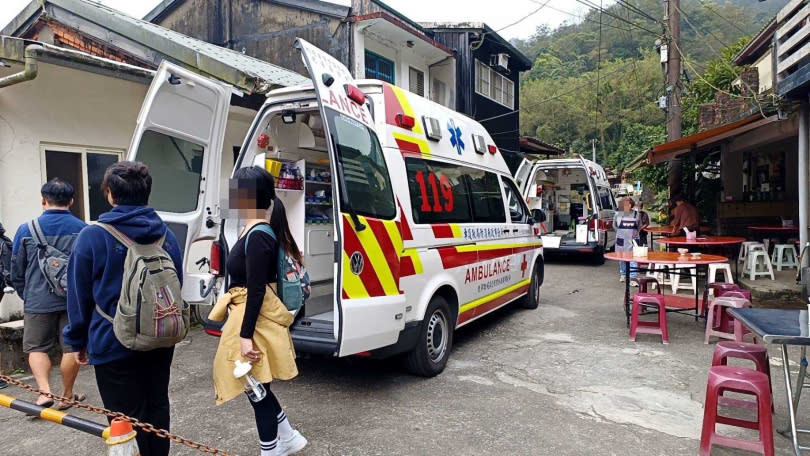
267	411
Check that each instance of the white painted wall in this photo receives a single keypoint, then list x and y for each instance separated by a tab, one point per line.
73	108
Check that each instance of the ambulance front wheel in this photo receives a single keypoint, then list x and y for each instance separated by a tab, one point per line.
532	298
429	357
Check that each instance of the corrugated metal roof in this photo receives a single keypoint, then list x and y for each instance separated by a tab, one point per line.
251	74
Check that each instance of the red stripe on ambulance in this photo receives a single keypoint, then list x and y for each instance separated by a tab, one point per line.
487	306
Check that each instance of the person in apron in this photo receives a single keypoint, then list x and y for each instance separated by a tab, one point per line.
627	224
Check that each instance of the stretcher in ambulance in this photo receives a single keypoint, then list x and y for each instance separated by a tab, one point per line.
576	203
409	221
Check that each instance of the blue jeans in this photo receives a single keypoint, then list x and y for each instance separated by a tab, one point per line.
623	268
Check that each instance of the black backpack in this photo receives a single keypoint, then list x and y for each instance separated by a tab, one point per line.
52	261
5	261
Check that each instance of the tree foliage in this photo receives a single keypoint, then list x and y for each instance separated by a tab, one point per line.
567	100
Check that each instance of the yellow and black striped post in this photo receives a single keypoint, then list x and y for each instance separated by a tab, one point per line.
56	416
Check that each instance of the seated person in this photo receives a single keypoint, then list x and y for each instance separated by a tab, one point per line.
685	215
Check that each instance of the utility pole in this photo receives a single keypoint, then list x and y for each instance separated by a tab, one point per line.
593	145
673	40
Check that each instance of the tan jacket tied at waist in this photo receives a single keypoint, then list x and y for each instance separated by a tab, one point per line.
271	338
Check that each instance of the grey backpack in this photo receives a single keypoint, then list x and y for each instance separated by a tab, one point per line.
52	261
151	312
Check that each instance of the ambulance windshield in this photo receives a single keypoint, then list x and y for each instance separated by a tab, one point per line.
365	174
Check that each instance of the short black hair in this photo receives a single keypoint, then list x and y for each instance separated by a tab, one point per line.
256	177
57	192
680	197
128	182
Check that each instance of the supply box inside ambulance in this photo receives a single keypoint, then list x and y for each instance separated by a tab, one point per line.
575	196
405	211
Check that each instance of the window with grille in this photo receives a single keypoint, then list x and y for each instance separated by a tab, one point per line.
378	67
493	85
416	81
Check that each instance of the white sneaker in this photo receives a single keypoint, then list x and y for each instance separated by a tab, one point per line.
295	443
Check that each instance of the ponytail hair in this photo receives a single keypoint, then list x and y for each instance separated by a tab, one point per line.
278	221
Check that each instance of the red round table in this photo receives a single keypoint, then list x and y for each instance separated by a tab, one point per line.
724	242
775	228
663	257
667	229
703	241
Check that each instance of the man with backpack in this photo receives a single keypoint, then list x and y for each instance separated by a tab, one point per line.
38	274
124	302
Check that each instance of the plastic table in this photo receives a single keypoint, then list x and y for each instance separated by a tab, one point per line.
663	257
783	327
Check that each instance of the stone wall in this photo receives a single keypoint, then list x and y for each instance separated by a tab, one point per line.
728	108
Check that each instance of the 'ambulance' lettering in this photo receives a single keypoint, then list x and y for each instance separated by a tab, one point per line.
485	271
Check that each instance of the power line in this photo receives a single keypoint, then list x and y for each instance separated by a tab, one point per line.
729	21
477	45
630	7
580	17
593	6
598	65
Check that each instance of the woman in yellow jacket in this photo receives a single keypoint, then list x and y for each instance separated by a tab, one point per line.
257	329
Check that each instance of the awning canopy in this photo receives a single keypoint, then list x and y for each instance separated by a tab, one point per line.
668	151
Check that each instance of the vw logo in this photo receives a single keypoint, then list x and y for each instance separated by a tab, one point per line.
356	263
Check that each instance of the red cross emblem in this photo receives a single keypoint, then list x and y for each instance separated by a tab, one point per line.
523	266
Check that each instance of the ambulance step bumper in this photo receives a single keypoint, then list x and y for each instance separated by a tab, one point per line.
314	336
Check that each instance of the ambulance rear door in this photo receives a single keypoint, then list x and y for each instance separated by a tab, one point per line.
179	135
368	244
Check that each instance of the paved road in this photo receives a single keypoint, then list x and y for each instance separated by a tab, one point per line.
560	380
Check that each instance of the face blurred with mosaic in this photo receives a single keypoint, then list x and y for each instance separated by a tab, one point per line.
250	194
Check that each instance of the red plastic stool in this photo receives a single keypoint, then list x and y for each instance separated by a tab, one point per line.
719	307
649	327
644	284
740	380
724	321
742	350
716	288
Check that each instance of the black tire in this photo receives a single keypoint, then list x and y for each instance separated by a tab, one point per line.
532	298
598	257
429	357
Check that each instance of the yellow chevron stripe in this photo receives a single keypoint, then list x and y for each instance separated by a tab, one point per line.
497	294
424	148
456	228
406	106
395	235
417	260
351	283
372	247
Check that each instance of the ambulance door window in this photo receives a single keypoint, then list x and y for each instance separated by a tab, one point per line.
486	196
518	212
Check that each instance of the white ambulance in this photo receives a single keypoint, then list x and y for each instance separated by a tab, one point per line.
576	202
408	218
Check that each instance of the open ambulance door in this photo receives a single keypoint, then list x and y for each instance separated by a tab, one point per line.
179	135
599	219
523	173
370	307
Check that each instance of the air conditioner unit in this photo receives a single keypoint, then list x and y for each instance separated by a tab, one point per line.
501	60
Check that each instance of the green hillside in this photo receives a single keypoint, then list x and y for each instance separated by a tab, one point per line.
559	94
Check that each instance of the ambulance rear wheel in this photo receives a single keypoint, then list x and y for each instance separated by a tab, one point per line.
429	357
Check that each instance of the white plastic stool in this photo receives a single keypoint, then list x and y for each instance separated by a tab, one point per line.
676	278
725	268
744	248
784	255
661	273
758	264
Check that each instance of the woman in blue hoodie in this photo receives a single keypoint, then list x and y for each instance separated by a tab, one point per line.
132	382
